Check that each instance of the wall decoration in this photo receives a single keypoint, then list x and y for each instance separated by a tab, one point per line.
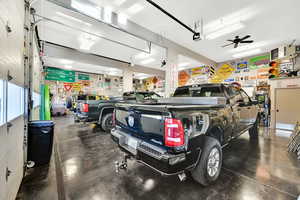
56	74
68	86
259	62
242	65
84	77
223	73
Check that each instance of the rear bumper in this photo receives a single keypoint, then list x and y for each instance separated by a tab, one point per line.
83	118
152	156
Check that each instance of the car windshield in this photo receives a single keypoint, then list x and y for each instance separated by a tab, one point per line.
206	91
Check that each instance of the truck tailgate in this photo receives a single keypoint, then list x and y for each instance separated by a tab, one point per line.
142	121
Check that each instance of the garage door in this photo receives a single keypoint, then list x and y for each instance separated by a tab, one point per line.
287	108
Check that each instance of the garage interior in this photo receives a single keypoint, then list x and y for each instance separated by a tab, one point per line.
69	69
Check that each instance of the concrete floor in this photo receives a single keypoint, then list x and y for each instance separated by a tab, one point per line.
84	170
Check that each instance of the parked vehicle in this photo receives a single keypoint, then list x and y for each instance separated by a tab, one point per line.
186	132
101	111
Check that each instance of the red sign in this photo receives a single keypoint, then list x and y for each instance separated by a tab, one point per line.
68	86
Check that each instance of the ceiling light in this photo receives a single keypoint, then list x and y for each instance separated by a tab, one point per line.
183	64
107	14
122	19
72	18
135	8
247	53
119	2
150	60
68	66
226	30
66	62
142	55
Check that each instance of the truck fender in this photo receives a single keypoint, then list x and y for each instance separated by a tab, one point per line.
216	132
104	111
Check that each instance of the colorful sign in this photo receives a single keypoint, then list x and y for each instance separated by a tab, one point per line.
242	65
199	71
84	77
223	73
56	74
259	62
68	86
183	78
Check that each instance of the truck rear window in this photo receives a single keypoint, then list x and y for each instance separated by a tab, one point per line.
199	92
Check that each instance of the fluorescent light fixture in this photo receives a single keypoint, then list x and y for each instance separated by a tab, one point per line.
119	2
108	14
88	9
72	18
66	62
226	30
150	60
122	19
183	64
135	8
247	53
68	66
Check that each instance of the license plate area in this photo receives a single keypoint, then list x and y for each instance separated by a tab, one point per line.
129	143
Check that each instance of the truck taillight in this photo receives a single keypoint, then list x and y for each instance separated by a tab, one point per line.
85	107
174	133
114	118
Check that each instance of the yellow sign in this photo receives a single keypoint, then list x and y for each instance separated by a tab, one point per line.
223	73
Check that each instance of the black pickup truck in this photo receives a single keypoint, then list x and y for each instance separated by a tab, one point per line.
101	111
185	132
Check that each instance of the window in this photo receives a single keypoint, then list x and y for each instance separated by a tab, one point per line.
205	91
15	101
2	97
182	92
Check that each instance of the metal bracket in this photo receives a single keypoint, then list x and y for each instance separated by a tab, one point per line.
7	174
9	77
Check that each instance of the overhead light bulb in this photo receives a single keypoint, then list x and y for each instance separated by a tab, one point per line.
247	53
68	66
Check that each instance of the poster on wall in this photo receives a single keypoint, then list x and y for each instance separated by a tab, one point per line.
259	62
242	65
84	77
223	73
183	77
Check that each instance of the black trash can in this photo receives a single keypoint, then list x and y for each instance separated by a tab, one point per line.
40	141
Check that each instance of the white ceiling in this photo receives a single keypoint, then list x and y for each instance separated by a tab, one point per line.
270	22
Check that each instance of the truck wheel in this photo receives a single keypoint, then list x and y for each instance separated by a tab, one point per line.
209	166
107	123
253	132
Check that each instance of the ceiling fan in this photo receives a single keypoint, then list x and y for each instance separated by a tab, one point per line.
237	40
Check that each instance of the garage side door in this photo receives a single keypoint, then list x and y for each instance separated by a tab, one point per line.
287	108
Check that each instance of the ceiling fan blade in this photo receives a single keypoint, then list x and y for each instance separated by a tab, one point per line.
244	38
230	40
247	41
227	45
236	45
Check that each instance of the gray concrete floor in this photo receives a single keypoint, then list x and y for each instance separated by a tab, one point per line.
84	169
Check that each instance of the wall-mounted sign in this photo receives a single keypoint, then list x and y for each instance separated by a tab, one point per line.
56	74
68	86
183	78
242	65
84	77
259	62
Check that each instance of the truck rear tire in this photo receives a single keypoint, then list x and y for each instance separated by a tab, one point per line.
209	166
253	131
106	122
